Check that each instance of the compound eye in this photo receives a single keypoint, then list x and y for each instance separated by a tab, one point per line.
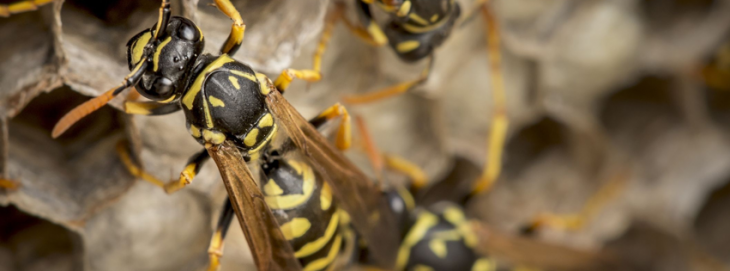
163	87
188	32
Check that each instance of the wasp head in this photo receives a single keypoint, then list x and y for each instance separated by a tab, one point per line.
170	55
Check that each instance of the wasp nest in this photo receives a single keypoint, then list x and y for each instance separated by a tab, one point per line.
598	92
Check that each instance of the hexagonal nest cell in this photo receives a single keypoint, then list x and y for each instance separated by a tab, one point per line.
593	88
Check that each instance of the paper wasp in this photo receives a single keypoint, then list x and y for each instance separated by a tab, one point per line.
415	30
436	233
236	113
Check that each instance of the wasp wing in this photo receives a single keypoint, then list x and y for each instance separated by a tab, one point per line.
355	192
516	250
270	250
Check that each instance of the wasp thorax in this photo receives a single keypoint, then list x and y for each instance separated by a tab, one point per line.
170	56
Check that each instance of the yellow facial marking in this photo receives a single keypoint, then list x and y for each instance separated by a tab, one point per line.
295	228
325	197
404	9
425	221
215	102
213	137
138	49
199	31
266	121
250	139
421	267
263	83
438	247
407	46
169	100
321	263
484	264
272	189
291	201
234	82
434	18
244	75
156	60
194	131
198	83
314	246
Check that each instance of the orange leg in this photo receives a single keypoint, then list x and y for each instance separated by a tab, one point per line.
392	90
22	6
500	123
9	184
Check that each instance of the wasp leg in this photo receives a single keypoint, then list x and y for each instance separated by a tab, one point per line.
576	221
238	28
329	26
194	165
22	6
9	184
150	108
287	76
215	250
469	15
392	90
343	139
500	123
417	176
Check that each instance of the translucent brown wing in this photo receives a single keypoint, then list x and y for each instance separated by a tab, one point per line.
270	250
356	193
516	250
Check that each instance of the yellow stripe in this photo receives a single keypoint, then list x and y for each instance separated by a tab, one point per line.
404	9
253	153
234	82
291	201
138	49
416	233
198	83
314	246
194	131
213	137
263	83
244	75
407	46
325	197
484	264
266	121
421	267
206	111
418	19
295	228
250	139
417	29
272	189
215	102
377	34
438	247
322	263
454	215
156	60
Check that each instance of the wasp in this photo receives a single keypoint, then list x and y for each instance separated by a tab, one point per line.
415	30
436	234
236	113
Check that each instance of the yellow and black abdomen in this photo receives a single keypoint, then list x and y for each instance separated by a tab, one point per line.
223	101
441	238
304	207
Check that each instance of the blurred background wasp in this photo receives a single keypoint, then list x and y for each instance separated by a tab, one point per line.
230	108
